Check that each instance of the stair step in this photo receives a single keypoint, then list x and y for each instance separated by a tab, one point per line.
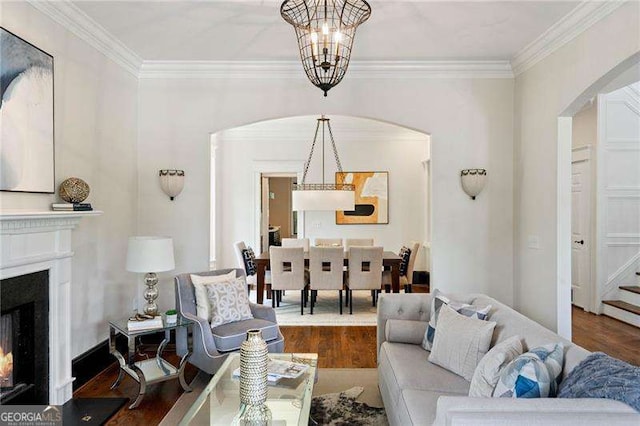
623	305
622	311
631	288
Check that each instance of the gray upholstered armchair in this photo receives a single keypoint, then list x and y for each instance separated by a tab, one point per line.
212	345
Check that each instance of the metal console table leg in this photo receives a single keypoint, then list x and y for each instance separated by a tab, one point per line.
148	371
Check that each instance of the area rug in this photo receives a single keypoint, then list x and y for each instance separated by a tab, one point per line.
325	311
90	411
341	408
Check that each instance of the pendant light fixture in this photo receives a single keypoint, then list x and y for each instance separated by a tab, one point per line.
323	196
325	30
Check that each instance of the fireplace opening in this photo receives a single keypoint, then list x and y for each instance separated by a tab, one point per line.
6	352
24	339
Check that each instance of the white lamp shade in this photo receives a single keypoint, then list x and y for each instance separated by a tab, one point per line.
150	254
172	182
323	200
473	181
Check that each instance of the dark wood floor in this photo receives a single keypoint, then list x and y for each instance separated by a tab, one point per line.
599	333
344	347
337	347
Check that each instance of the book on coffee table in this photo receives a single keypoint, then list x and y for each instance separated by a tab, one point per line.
286	369
278	369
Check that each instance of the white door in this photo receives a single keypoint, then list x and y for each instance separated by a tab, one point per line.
580	232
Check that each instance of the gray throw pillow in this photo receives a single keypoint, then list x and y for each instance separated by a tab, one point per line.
460	342
228	302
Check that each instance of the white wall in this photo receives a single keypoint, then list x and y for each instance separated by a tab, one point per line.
363	145
542	93
618	189
95	139
469	120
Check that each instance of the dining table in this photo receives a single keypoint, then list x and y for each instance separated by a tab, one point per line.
390	260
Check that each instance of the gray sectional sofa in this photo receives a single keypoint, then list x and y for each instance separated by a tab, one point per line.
417	392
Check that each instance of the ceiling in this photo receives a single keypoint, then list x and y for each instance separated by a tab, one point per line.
397	30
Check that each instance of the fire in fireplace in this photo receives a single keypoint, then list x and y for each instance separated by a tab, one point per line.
6	356
24	339
6	369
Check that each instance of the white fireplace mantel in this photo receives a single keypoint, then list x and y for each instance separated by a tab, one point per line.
33	241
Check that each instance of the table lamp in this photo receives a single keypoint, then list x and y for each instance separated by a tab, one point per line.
150	255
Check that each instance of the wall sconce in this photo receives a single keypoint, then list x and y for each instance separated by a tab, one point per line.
172	182
473	181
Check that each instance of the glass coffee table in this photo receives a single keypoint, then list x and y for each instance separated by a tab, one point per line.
289	400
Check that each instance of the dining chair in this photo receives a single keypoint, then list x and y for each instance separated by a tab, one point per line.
296	242
406	268
328	242
287	273
239	247
357	242
325	270
364	272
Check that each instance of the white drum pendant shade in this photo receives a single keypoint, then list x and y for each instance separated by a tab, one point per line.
323	196
323	200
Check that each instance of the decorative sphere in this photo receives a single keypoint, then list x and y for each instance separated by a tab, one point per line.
74	190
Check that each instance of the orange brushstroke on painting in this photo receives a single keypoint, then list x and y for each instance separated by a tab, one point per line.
359	181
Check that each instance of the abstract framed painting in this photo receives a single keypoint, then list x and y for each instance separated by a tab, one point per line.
26	117
372	198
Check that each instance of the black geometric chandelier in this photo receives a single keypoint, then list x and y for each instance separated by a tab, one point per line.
325	30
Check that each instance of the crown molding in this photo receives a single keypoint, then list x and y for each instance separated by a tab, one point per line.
293	69
562	32
75	20
570	26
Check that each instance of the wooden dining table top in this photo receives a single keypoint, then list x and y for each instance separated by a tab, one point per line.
386	255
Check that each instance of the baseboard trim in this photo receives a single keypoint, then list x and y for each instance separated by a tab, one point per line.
86	366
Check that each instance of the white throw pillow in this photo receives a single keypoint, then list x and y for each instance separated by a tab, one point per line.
487	373
460	342
437	301
202	300
228	302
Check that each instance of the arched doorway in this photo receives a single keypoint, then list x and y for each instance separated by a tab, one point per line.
245	155
623	74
